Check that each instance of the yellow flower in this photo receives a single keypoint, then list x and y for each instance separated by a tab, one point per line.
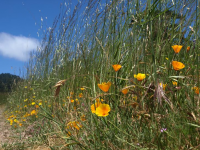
196	90
174	83
25	100
40	103
104	86
33	112
11	122
116	67
82	89
33	103
94	106
167	58
140	76
33	96
125	91
25	87
188	48
177	48
103	110
163	85
177	65
74	124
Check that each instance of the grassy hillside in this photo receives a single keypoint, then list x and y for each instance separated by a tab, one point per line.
114	75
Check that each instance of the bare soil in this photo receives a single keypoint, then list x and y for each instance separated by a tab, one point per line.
5	129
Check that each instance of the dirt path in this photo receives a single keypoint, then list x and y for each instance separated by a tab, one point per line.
4	127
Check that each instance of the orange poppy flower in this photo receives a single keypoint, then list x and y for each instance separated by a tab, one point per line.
104	86
139	76
177	48
174	83
188	48
163	85
125	91
116	67
103	110
177	65
196	90
95	106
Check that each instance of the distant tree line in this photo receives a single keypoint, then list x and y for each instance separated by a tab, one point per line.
8	82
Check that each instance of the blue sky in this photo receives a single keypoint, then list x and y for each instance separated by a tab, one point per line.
20	31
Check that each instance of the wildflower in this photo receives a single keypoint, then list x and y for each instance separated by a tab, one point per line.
33	103
163	129
33	112
74	124
140	76
25	100
116	67
80	95
72	100
177	65
11	122
104	86
125	91
25	106
40	103
95	106
82	89
36	106
33	96
163	85
103	110
196	90
188	48
174	83
25	87
177	48
167	58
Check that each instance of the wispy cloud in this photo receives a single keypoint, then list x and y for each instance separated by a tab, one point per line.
18	47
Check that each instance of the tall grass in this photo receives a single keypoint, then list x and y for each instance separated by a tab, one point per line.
82	46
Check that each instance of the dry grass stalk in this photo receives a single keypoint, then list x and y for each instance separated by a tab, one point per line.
58	85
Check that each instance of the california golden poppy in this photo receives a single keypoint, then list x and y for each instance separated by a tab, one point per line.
177	65
177	48
116	67
94	106
163	85
125	91
139	76
103	110
104	86
188	48
196	90
174	83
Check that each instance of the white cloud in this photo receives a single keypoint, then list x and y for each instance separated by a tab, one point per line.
18	47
